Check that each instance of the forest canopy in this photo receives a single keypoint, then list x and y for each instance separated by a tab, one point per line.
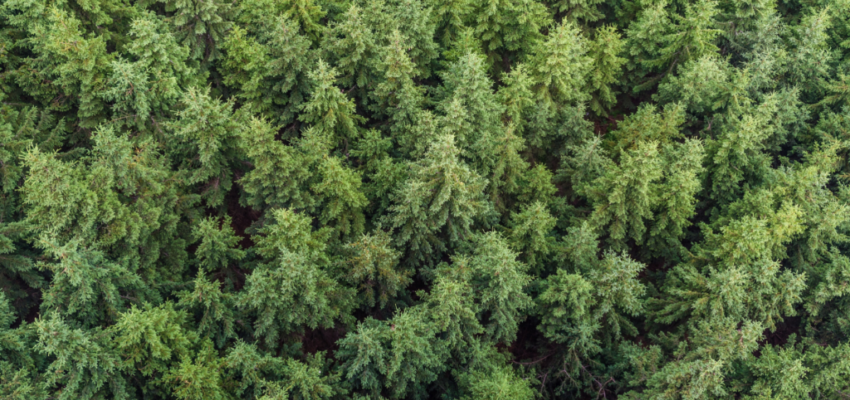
424	199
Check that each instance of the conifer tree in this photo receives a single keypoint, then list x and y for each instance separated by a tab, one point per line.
398	71
120	199
308	16
373	266
506	26
216	308
500	384
472	115
352	46
438	202
269	69
498	280
85	365
328	109
145	90
208	127
560	65
292	296
606	67
198	25
414	19
78	65
279	173
623	198
449	19
411	199
530	233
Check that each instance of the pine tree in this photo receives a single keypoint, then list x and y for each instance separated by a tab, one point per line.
623	197
86	285
19	129
292	296
279	173
199	378
678	196
143	91
365	355
453	309
216	308
79	65
670	40
530	233
472	115
414	19
499	280
712	352
120	199
398	72
307	15
449	18
352	46
502	384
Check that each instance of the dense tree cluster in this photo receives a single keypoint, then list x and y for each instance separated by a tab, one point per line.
411	199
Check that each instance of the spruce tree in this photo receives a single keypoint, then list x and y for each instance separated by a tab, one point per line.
411	199
438	202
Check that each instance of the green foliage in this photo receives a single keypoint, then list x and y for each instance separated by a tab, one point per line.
606	68
402	354
560	65
279	173
411	199
216	309
438	202
293	295
343	200
198	25
268	68
85	284
499	280
372	265
508	26
530	233
208	127
84	363
502	384
218	242
328	109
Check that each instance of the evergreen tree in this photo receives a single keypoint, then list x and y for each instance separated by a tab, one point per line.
85	364
508	26
411	199
268	70
438	202
373	266
198	25
208	128
279	172
328	109
606	67
560	65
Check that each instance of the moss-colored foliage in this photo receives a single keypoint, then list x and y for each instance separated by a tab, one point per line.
424	199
